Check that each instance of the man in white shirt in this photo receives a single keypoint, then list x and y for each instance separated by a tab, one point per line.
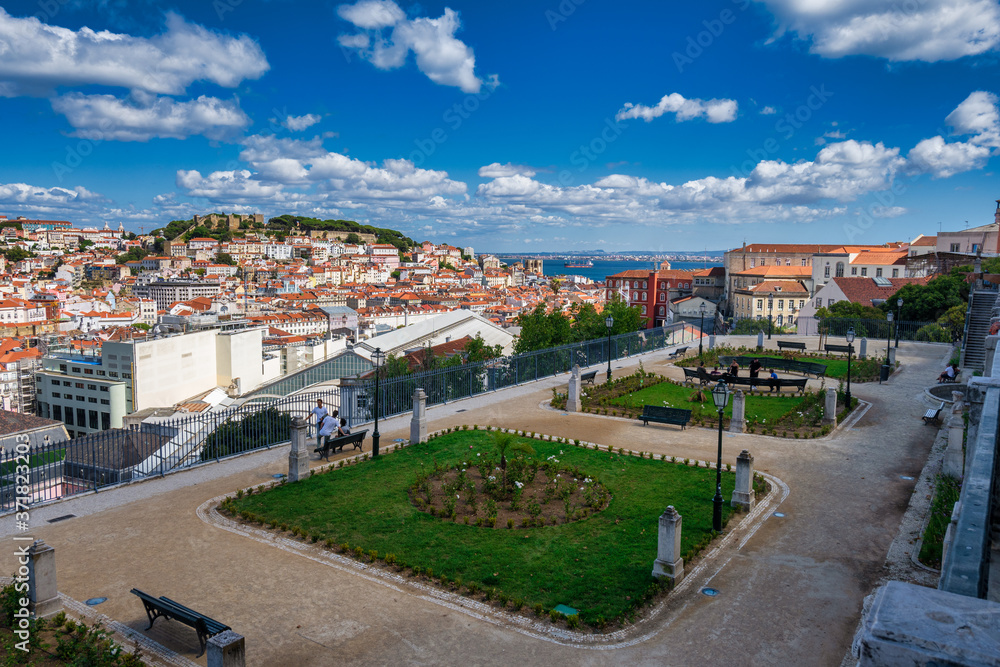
319	412
327	428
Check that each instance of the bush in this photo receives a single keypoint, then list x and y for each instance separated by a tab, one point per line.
933	333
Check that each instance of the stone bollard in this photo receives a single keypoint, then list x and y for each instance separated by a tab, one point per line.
830	407
573	399
863	350
298	456
738	424
760	340
44	594
418	422
743	494
668	561
711	342
892	357
227	649
952	465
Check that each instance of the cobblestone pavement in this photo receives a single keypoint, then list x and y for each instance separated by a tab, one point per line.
791	595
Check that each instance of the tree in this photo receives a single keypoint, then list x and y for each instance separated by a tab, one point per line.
540	330
394	366
933	333
16	254
352	238
225	258
396	274
628	319
847	309
555	285
504	443
142	326
925	303
84	244
477	350
953	321
133	255
746	327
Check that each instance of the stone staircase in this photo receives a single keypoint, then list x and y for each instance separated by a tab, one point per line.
974	353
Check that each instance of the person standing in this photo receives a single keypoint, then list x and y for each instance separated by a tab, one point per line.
755	367
734	369
325	430
318	413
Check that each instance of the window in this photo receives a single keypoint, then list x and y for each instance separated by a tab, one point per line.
92	387
854	270
643	284
878	273
113	374
105	401
88	371
895	273
781	306
67	384
955	247
643	297
826	271
661	311
662	296
760	306
81	399
663	285
91	400
753	263
763	261
71	433
644	310
788	262
76	370
803	262
101	373
69	416
104	388
840	269
57	412
105	420
779	324
975	247
55	394
635	284
864	270
802	303
829	302
93	419
79	385
819	304
81	417
62	368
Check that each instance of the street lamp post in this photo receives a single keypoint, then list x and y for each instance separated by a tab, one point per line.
888	343
850	348
609	322
378	356
770	322
701	327
720	396
899	319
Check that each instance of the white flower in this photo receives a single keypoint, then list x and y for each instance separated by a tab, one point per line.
518	484
492	478
478	454
456	495
581	488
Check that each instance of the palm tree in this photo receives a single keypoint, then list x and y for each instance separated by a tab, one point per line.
504	443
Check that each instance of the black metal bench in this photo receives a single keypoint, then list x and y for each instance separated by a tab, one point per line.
156	607
933	416
790	365
679	352
843	349
334	444
588	377
791	345
664	415
766	382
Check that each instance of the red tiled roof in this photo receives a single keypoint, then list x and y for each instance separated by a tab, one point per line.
865	290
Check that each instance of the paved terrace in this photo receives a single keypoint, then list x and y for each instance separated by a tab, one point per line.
791	594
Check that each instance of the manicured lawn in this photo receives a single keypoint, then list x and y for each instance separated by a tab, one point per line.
599	565
767	409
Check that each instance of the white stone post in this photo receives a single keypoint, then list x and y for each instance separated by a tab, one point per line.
668	561
760	340
711	342
573	399
418	422
738	423
863	350
298	455
830	407
743	494
227	649
43	600
892	357
952	464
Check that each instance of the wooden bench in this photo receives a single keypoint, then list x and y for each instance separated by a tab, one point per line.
664	415
679	352
156	607
791	345
588	377
933	416
334	444
843	349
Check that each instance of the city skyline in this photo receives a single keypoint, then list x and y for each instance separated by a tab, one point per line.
541	127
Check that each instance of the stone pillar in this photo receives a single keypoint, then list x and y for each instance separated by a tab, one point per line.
298	455
668	561
711	342
863	351
952	463
44	594
743	494
892	356
760	340
227	649
830	407
573	399
418	422
738	424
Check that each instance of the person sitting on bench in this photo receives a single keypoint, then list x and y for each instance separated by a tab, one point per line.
948	375
774	376
328	428
716	372
344	428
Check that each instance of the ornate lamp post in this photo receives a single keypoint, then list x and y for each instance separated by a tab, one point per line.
720	396
770	322
609	322
378	356
850	348
701	327
899	319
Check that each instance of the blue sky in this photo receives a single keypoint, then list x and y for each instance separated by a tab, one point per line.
561	125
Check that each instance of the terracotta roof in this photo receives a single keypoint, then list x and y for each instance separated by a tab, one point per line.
864	290
880	258
768	271
925	241
15	422
780	287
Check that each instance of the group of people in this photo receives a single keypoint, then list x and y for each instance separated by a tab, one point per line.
734	369
328	425
949	373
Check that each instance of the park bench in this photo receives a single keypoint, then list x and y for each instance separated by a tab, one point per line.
205	627
588	377
791	365
843	349
791	345
664	415
692	374
679	352
766	382
334	444
933	416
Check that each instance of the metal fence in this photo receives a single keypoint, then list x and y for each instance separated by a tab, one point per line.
395	395
876	329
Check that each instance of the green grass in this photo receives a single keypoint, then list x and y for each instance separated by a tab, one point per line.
768	409
945	496
600	565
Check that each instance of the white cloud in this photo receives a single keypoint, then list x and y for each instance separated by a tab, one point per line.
445	59
496	170
768	111
105	117
925	30
977	115
943	160
299	123
23	197
887	211
36	58
715	111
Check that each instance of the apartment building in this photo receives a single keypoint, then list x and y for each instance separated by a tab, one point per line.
166	292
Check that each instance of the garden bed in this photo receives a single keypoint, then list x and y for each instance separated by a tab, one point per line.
862	370
599	564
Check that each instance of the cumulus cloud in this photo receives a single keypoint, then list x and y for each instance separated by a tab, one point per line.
715	111
299	123
36	58
390	37
143	117
496	170
978	118
942	160
929	30
768	111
